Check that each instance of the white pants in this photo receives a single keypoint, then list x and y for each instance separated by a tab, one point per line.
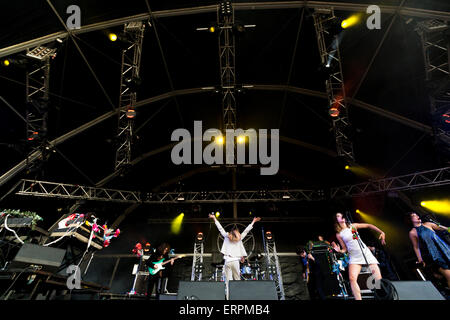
232	271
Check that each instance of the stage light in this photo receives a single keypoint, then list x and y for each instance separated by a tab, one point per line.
131	113
112	37
199	237
269	236
347	167
358	211
351	21
250	213
6	62
334	112
41	53
241	139
217	214
176	223
437	206
220	140
212	29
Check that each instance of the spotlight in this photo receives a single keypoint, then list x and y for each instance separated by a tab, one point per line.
180	198
6	62
131	113
350	21
286	196
269	236
212	29
358	211
437	206
347	167
176	223
217	214
219	140
334	112
147	247
241	139
112	37
199	237
41	53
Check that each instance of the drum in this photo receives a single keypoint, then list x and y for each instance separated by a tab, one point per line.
246	272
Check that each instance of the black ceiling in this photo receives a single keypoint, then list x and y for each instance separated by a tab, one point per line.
264	55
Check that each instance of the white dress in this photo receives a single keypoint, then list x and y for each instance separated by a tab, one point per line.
354	249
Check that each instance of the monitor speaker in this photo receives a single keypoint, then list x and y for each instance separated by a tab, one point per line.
253	290
416	290
48	258
200	290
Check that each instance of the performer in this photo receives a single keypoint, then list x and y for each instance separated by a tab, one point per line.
437	253
233	249
161	252
312	275
359	253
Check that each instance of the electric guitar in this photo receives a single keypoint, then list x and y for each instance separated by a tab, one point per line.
159	265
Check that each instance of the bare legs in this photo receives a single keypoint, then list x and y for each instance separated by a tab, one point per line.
353	273
446	274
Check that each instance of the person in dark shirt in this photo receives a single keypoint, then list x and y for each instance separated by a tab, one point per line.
312	275
162	252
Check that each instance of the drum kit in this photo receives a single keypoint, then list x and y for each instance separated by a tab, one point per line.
250	269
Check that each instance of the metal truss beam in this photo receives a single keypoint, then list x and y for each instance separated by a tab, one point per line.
37	85
273	268
130	66
197	262
435	39
227	57
331	61
277	5
70	191
431	178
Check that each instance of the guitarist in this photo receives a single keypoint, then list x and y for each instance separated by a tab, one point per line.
162	252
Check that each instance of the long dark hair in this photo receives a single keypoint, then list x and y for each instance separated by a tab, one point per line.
337	227
163	246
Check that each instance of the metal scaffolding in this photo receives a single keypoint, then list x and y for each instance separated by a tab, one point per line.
37	85
133	35
330	57
71	191
435	38
273	269
197	261
225	23
431	178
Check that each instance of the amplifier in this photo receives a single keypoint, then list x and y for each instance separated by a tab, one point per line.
253	290
50	259
200	290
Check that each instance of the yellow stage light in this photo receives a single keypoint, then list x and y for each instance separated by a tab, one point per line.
112	37
347	167
212	29
351	21
219	140
437	206
6	62
217	214
241	139
176	223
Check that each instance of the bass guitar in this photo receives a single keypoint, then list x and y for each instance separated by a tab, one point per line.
159	265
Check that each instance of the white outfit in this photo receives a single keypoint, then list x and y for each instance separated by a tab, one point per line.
232	252
354	249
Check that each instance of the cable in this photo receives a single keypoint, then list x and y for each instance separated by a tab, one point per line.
1	297
6	227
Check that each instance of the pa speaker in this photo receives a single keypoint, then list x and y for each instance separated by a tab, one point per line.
416	290
252	290
199	290
50	259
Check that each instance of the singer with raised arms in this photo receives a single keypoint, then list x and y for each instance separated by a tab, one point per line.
359	253
233	249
